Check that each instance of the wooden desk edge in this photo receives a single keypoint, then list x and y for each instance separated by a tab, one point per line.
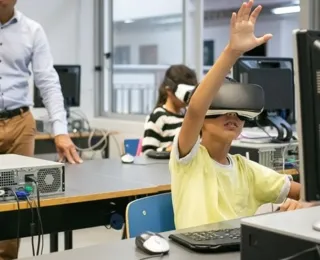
55	201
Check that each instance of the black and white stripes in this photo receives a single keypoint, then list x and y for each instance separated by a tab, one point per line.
160	129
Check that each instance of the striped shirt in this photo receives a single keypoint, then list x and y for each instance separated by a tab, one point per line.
161	126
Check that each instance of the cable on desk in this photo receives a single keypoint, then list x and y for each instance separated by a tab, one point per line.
262	128
103	141
316	248
40	226
32	226
18	217
152	256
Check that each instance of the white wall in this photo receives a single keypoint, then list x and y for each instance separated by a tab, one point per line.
69	27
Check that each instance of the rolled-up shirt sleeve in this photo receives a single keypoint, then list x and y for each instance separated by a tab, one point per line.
47	81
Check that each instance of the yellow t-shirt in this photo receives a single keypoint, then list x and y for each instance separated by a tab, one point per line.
204	191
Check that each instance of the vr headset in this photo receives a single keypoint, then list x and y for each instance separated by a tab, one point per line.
183	92
246	100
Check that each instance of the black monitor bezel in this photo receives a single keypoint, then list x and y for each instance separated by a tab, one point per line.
307	122
37	99
236	74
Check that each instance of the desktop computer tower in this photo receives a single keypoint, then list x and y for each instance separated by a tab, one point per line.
15	171
277	156
264	244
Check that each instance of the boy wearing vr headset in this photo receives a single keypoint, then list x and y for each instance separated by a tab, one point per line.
165	120
208	184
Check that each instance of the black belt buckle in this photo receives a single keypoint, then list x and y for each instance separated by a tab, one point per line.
4	115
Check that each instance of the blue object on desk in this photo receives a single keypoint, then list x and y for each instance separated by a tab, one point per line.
153	213
131	146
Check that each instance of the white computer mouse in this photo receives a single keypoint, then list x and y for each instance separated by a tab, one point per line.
152	243
127	158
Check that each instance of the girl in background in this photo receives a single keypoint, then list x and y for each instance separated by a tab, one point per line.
166	119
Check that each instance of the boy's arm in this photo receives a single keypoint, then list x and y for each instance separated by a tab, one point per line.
270	186
242	39
294	192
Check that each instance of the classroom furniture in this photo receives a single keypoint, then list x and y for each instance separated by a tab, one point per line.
126	249
298	226
152	213
94	190
44	142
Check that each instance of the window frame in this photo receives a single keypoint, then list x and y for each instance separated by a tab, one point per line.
105	19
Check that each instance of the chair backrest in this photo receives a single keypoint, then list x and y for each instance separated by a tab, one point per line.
154	213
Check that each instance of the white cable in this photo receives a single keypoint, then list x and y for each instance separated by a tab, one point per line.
302	253
103	140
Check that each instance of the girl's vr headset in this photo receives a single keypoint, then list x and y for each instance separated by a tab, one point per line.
246	100
183	92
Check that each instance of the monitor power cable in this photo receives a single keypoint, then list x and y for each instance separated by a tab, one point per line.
40	243
297	255
32	225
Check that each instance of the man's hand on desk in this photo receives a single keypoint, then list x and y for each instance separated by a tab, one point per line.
66	149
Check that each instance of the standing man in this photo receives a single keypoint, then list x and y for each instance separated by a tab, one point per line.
23	42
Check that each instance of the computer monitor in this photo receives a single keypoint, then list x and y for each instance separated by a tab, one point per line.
259	51
307	81
70	80
276	77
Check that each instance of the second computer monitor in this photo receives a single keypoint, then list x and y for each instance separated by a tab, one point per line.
70	80
275	76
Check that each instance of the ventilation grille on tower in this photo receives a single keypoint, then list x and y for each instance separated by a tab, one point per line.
49	180
7	178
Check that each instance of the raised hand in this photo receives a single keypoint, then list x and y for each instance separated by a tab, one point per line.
242	38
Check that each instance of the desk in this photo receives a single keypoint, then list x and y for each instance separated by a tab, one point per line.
90	189
125	249
44	143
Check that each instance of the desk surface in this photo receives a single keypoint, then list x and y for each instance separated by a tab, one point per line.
105	179
126	249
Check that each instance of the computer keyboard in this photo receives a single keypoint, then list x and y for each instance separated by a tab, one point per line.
222	240
158	155
223	234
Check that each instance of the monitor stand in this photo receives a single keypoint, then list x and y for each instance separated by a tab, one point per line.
283	128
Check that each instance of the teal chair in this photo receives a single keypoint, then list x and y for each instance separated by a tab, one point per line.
154	213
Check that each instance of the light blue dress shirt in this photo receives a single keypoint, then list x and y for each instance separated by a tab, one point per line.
24	42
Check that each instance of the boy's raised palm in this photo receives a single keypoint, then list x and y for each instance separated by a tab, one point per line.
242	38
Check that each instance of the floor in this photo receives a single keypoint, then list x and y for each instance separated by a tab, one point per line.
81	238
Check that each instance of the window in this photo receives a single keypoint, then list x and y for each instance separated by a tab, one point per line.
121	55
148	54
140	42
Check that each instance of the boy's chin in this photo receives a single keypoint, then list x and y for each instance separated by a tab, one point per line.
231	137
